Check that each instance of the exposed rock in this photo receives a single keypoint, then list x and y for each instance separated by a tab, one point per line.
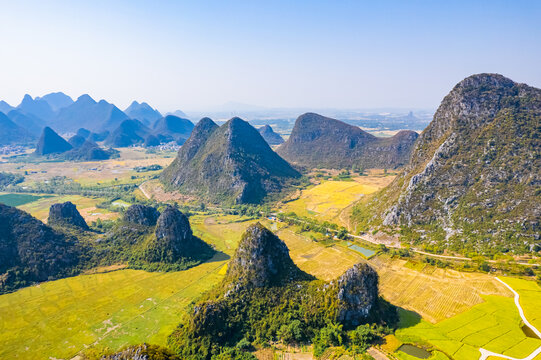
175	240
66	214
142	215
357	294
261	259
474	171
319	141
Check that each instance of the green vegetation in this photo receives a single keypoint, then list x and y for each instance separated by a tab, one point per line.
7	179
19	199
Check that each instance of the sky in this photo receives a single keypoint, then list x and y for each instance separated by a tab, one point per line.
196	55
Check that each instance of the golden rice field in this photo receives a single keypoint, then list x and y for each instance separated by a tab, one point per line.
58	319
435	294
327	200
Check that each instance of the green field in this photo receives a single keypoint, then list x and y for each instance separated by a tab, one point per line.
61	318
19	199
494	325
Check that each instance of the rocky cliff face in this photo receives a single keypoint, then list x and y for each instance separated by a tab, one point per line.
66	214
475	170
142	215
318	141
261	259
357	294
230	164
175	239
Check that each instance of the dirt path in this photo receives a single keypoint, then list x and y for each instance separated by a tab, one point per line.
485	354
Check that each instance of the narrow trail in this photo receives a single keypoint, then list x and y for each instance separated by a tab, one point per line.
485	354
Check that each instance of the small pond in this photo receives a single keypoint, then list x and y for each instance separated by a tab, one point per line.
415	351
366	252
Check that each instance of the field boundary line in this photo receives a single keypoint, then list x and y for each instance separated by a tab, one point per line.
485	353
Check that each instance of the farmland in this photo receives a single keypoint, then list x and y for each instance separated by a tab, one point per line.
61	318
327	200
494	325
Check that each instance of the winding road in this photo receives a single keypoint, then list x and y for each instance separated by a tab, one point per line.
485	354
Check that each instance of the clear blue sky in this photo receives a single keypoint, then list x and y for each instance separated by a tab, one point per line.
315	54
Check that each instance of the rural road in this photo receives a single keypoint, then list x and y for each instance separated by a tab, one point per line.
485	354
143	190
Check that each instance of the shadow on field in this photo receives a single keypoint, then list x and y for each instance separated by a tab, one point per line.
407	318
219	256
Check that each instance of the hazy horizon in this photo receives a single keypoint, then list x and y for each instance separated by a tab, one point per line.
305	55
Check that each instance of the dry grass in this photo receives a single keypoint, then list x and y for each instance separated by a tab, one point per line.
436	294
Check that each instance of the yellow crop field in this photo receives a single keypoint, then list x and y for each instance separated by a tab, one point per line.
58	319
436	294
86	206
327	200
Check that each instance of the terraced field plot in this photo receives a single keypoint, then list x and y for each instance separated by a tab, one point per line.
436	294
60	318
494	325
86	206
327	200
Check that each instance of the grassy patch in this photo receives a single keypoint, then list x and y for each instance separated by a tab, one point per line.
493	325
19	199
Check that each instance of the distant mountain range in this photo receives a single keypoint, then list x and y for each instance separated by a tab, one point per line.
270	136
321	142
231	163
58	111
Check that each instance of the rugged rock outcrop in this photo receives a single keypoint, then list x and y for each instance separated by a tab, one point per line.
51	143
357	294
475	171
231	163
175	239
270	136
319	141
142	215
63	214
261	259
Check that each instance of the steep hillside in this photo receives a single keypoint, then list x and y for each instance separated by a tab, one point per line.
87	113
142	112
66	214
265	297
146	239
30	251
128	133
172	128
318	141
270	136
473	183
29	122
5	107
231	163
89	151
51	143
39	108
11	133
